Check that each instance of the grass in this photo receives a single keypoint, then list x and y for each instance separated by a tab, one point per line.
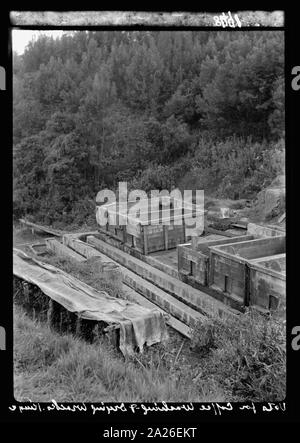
51	366
85	272
243	360
246	355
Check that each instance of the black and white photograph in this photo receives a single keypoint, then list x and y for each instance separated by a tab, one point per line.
149	210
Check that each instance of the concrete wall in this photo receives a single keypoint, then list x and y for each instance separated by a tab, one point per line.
267	288
193	259
148	238
160	237
193	263
275	262
195	240
135	253
260	231
228	275
229	270
252	249
204	245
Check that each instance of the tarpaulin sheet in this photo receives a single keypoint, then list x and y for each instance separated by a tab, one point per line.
138	325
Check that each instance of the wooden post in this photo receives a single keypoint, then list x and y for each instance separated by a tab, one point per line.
26	291
247	294
53	314
50	312
124	233
207	271
165	232
211	269
183	228
78	327
145	239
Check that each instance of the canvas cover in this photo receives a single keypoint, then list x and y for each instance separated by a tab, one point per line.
139	326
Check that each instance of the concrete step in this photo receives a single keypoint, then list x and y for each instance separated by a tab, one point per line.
190	296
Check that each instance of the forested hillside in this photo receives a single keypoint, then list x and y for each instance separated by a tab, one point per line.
192	109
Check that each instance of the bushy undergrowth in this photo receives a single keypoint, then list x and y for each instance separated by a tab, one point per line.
245	355
234	167
242	360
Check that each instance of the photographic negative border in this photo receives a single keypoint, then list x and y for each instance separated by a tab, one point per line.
278	413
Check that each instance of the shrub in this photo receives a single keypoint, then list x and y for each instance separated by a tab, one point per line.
247	355
154	177
234	167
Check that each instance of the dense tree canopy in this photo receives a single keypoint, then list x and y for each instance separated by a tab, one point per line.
154	108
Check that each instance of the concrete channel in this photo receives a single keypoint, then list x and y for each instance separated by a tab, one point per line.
180	317
190	296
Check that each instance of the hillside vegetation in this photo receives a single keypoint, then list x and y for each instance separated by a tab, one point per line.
157	109
227	361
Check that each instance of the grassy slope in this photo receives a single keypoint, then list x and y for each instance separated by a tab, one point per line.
51	366
231	362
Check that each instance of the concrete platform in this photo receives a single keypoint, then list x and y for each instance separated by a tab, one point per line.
169	257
